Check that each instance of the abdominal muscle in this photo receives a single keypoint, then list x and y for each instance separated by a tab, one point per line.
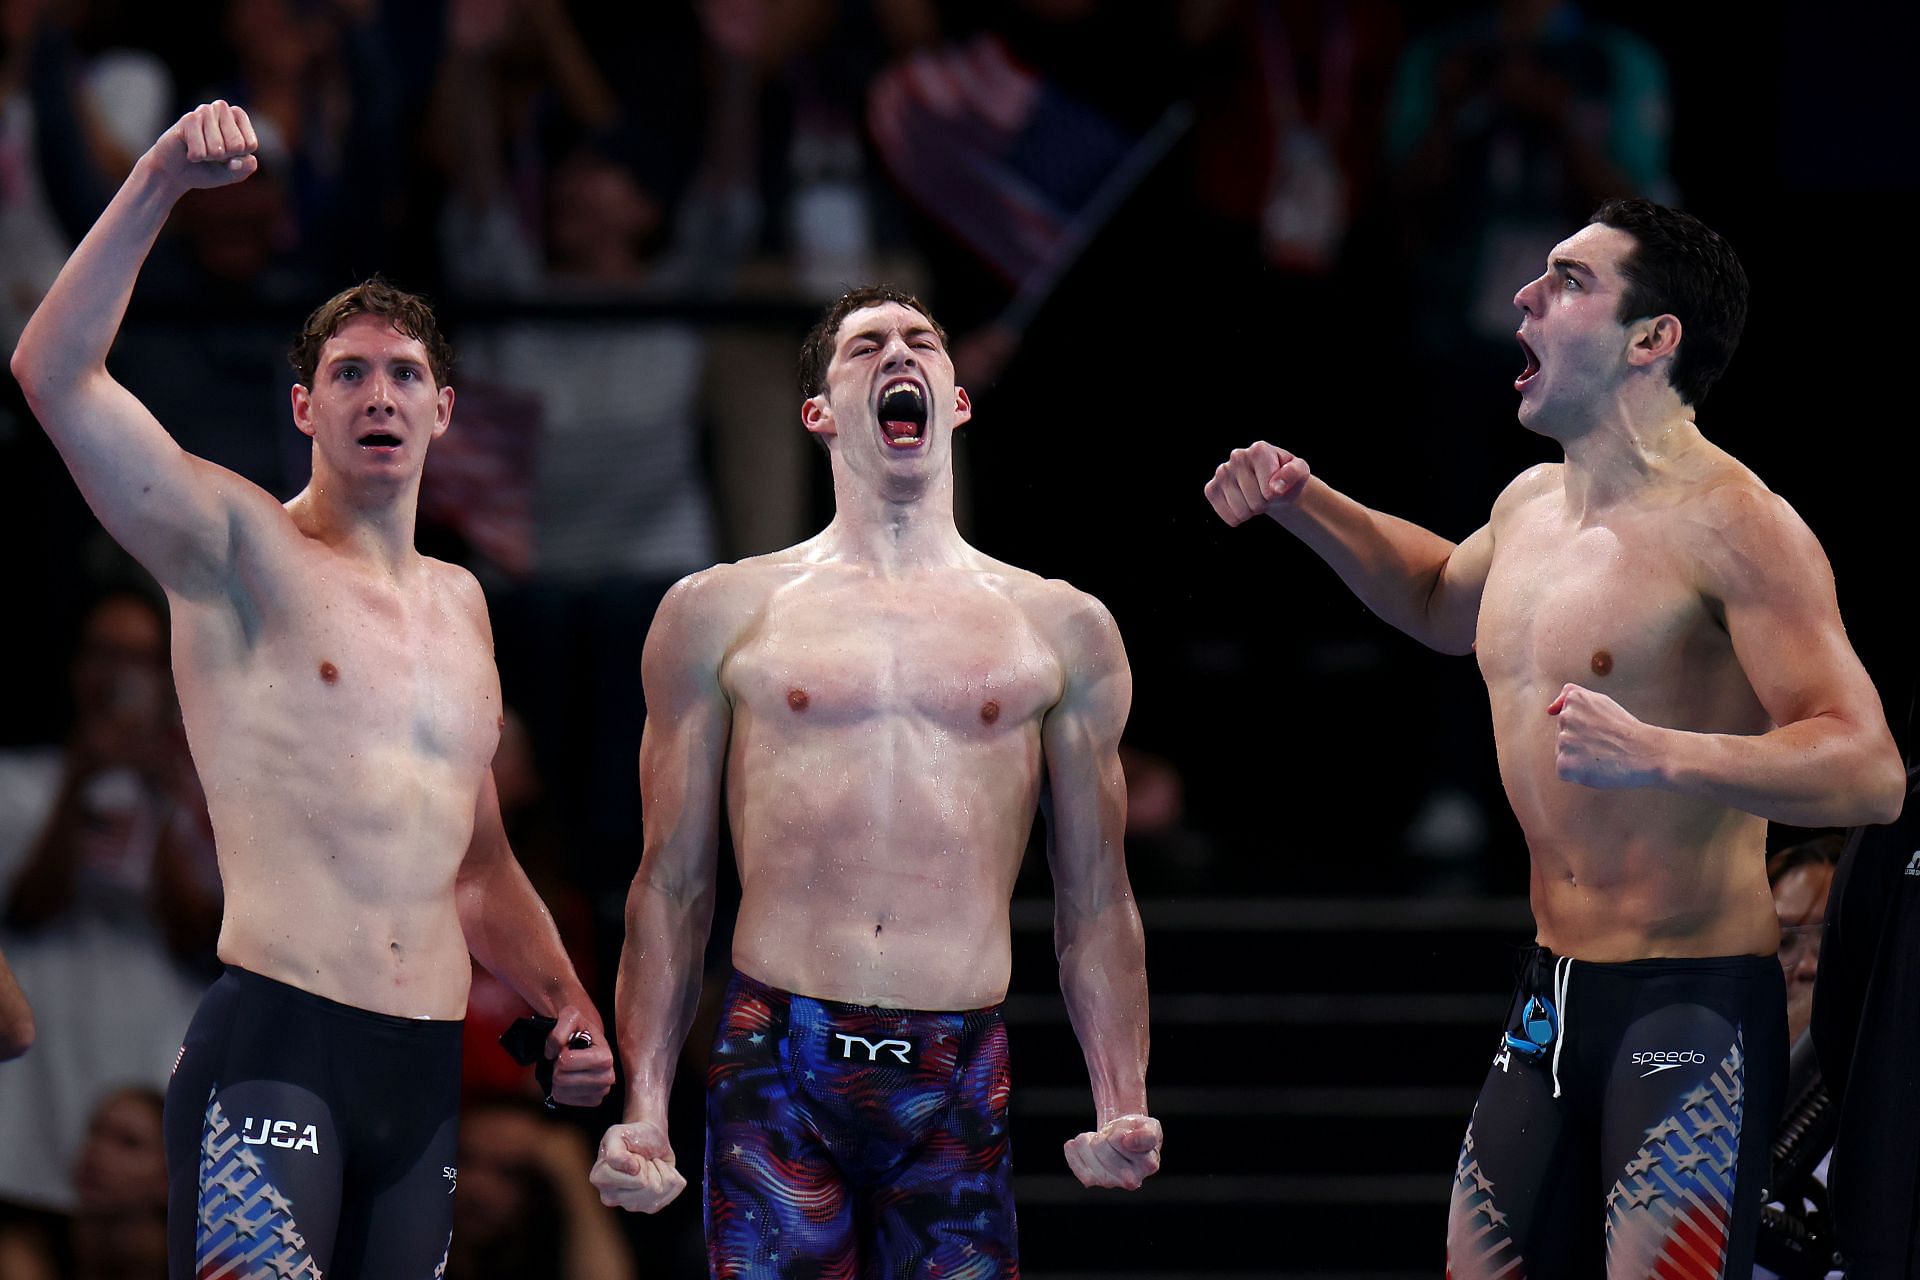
344	885
1636	874
882	887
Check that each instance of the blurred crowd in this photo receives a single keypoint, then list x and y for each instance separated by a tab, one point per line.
627	215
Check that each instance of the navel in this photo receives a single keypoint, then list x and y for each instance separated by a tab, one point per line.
1602	662
797	698
329	673
989	712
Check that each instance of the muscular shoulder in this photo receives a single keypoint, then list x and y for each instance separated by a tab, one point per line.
1075	624
703	616
1743	536
1534	483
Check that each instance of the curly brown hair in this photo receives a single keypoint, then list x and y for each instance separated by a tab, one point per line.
408	313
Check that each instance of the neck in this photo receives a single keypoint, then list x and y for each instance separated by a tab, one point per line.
374	524
903	525
1627	448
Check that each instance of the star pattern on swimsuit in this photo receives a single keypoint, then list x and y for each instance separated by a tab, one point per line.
1642	1163
1707	1124
239	1221
236	1181
1698	1098
1665	1127
1481	1182
282	1266
279	1202
289	1236
249	1159
1613	1196
1644	1195
1687	1162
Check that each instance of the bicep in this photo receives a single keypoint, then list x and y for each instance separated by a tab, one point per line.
1453	610
173	512
682	754
1085	784
1782	615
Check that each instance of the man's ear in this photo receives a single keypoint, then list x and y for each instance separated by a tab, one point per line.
962	408
443	412
1653	338
816	415
303	409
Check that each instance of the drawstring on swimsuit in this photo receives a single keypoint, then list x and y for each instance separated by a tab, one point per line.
1562	977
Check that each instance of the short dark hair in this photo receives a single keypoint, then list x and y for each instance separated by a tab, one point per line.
408	313
816	353
1820	851
1681	266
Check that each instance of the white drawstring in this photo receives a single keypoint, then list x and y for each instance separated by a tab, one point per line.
1562	977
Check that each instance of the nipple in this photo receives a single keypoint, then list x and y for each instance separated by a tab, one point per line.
797	699
1602	662
989	712
329	673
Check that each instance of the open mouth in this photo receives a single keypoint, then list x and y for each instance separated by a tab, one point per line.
1533	362
380	440
903	414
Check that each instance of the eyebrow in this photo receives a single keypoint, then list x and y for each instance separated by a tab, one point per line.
875	335
1574	264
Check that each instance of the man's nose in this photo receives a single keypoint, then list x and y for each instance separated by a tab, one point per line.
379	399
1522	297
899	356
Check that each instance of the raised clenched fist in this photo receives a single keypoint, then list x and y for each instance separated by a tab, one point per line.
1257	480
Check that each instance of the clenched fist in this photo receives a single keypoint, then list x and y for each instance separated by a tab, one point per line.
635	1170
1257	480
213	145
1124	1152
1600	743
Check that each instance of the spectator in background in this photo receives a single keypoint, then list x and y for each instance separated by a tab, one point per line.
118	1227
547	207
524	1209
71	125
1795	1236
112	896
1504	127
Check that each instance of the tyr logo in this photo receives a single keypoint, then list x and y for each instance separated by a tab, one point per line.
900	1050
280	1133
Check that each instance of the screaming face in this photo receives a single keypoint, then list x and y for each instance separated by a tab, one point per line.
890	381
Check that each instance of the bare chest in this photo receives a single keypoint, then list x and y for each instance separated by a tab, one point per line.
365	668
1609	608
967	660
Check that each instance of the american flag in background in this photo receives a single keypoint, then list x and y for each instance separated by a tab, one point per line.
1004	160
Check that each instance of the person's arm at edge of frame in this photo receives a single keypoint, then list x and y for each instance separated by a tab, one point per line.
1414	579
1830	760
670	904
511	933
16	1015
176	514
1097	933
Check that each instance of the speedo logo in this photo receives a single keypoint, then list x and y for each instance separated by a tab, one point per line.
1658	1060
285	1134
1913	864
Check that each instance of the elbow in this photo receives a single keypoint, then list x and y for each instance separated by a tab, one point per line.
22	365
1888	796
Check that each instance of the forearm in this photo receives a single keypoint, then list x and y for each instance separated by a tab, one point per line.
43	888
511	933
70	334
1820	772
658	989
1392	565
1103	975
